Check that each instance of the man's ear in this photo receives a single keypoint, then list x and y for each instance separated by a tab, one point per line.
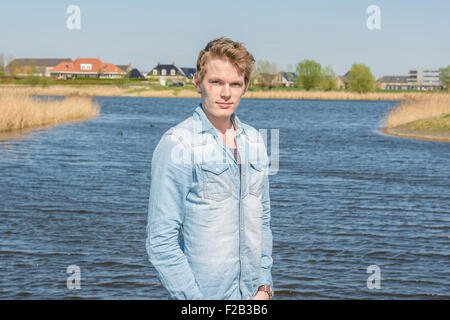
197	83
245	89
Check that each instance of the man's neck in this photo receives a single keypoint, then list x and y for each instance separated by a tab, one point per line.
221	124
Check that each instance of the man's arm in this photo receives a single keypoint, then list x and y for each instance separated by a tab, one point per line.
265	277
265	274
170	181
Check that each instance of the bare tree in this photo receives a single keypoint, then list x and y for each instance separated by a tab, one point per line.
264	73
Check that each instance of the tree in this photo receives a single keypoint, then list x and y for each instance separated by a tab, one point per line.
2	63
264	73
328	78
361	79
445	76
309	74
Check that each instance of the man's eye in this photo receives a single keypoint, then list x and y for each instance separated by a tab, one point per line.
215	82
237	85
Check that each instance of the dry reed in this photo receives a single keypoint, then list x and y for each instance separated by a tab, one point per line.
22	111
145	91
421	108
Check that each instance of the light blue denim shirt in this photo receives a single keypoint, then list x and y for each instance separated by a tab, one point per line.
208	231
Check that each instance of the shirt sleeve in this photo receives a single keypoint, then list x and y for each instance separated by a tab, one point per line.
267	238
171	178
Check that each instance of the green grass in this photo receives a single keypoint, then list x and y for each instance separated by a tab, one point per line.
439	124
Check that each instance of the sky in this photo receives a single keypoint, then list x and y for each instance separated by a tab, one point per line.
412	34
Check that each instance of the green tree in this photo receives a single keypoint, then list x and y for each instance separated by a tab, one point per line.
328	78
309	74
2	64
360	78
445	76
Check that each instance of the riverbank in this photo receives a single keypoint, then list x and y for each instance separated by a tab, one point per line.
414	106
190	92
20	112
426	119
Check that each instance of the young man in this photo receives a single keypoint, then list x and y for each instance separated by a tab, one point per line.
208	232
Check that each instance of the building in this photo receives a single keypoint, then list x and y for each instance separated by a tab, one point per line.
425	79
86	68
131	72
266	80
125	67
340	83
32	66
165	70
286	79
135	74
394	83
188	73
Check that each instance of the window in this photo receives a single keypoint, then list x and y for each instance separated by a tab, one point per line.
163	72
172	72
86	66
155	72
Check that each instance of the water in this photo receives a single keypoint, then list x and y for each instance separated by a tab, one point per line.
345	197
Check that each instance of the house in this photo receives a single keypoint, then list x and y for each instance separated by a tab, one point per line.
340	83
86	68
345	80
188	73
125	67
135	74
393	83
425	79
165	70
132	73
33	66
265	80
286	79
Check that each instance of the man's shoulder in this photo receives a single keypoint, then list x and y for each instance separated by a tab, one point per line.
178	129
181	132
254	135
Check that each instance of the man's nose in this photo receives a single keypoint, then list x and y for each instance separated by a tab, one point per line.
226	91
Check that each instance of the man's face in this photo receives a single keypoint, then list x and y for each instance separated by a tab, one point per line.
221	88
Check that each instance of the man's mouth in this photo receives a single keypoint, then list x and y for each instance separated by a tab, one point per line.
224	105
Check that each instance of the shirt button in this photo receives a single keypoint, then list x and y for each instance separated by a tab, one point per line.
217	169
243	174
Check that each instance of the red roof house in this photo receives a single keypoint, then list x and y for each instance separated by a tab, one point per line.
86	68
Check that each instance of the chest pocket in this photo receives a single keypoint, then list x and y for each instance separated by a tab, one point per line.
256	178
216	181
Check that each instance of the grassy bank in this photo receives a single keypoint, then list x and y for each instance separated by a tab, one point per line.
21	112
427	119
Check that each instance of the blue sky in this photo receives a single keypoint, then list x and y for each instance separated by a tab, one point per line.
413	33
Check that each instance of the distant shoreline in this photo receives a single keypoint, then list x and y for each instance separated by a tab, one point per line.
189	92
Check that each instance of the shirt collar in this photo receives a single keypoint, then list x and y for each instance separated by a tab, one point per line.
206	125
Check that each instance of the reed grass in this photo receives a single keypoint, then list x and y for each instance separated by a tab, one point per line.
188	92
425	118
421	108
19	112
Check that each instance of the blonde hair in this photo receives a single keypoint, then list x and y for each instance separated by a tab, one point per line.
232	51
